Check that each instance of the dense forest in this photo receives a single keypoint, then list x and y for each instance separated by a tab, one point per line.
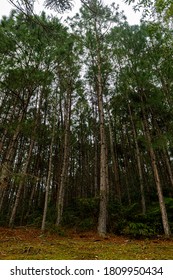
86	119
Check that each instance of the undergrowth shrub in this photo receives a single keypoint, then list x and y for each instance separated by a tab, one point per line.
81	214
35	219
128	220
138	230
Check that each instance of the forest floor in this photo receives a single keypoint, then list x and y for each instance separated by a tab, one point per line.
25	243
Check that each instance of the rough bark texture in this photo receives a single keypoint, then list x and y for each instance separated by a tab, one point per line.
102	221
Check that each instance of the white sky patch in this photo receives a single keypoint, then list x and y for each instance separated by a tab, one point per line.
132	17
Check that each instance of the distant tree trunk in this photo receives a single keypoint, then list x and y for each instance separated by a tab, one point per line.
168	165
127	179
115	164
96	150
64	172
48	180
95	167
2	140
138	157
30	201
21	185
26	165
164	151
6	167
2	195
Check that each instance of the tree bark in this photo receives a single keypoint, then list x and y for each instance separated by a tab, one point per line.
102	221
156	176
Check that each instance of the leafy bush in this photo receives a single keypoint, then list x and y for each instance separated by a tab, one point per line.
87	224
128	220
139	230
81	214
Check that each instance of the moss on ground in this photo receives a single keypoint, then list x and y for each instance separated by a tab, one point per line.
32	244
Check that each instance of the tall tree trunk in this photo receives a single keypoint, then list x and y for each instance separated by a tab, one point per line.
156	176
102	221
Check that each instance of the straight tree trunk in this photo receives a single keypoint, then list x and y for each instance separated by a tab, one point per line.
157	177
102	221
